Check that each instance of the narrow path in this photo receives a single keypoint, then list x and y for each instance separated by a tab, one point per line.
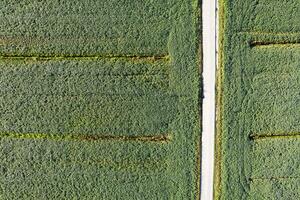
208	118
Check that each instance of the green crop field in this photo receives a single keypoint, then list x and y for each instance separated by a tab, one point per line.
100	99
258	137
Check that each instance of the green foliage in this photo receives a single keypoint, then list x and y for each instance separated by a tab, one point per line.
259	136
99	99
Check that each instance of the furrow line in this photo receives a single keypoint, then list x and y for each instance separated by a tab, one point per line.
151	58
162	138
274	136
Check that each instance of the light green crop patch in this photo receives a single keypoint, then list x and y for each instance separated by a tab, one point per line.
99	99
259	80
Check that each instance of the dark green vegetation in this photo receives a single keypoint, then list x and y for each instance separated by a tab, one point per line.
99	99
258	153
